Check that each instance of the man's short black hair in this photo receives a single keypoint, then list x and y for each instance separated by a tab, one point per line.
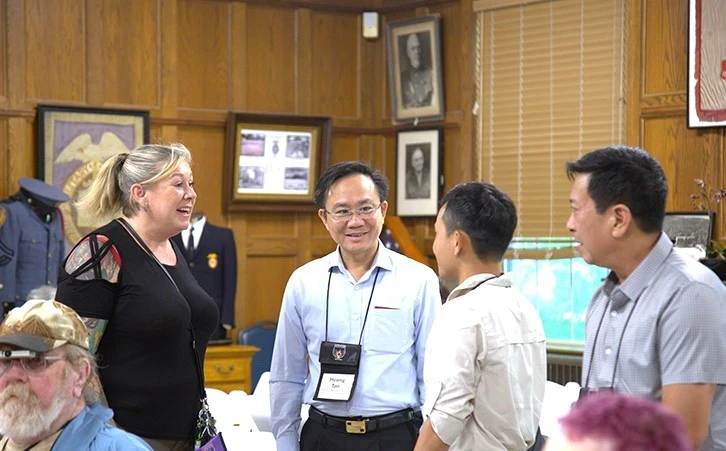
345	169
486	214
625	175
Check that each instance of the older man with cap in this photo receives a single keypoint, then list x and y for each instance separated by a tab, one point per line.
45	400
31	241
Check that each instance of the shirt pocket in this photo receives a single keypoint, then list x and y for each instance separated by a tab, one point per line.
33	247
391	329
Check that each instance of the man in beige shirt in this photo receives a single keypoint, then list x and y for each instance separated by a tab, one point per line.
485	367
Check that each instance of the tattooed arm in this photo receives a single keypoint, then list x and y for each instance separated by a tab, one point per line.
107	268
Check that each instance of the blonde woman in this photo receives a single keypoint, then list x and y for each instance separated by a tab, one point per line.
136	295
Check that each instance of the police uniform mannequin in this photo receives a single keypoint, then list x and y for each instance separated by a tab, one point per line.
212	259
31	241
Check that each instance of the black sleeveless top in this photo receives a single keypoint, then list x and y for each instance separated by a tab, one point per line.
145	358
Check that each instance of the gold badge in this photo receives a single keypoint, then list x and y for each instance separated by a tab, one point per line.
212	260
2	216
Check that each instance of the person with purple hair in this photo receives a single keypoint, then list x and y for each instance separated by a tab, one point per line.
610	421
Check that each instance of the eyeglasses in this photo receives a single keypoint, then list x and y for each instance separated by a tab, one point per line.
32	365
345	215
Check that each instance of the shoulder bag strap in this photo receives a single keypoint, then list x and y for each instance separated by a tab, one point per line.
197	360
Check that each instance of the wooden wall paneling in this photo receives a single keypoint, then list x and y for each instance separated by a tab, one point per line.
266	278
271	41
344	147
665	60
377	156
685	154
22	154
207	147
16	54
454	160
168	57
336	66
238	57
4	166
55	50
303	62
3	57
271	225
634	52
270	261
370	78
304	226
96	56
451	53
203	54
388	147
462	166
238	224
126	39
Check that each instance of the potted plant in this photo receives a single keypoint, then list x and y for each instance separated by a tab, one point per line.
704	200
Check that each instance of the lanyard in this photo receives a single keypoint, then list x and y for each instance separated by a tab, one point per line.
327	303
620	343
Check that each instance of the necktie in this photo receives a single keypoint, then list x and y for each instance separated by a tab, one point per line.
190	244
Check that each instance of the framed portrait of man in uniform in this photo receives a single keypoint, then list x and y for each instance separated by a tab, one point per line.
415	71
73	142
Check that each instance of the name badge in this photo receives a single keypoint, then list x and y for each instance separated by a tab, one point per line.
339	364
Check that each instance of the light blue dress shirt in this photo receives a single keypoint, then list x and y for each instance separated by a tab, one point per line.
404	304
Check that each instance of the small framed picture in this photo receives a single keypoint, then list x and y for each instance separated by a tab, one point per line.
418	172
689	229
414	69
274	161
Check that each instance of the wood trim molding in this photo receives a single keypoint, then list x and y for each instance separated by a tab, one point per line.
664	100
350	6
403	238
491	5
17	113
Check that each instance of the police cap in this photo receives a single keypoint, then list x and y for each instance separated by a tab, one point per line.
42	192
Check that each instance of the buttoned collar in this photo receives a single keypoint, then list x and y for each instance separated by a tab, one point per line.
383	260
638	281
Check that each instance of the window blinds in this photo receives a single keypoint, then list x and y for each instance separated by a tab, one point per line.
550	87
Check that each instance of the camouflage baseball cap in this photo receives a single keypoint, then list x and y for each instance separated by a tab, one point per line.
42	326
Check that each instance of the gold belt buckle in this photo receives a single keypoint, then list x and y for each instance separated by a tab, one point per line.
355	426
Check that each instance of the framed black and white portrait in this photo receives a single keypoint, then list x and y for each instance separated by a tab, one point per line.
418	172
414	68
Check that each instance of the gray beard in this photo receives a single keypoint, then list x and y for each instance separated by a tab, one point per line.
23	419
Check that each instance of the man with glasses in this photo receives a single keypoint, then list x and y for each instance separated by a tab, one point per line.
45	400
352	329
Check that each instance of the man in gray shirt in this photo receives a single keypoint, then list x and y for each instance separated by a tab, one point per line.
656	328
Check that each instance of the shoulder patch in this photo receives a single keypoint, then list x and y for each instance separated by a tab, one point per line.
3	215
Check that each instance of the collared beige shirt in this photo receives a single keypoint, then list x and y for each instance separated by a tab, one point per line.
486	367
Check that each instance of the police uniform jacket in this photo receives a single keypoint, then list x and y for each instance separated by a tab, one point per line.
31	250
214	265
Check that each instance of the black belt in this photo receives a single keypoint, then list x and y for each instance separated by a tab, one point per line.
361	425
